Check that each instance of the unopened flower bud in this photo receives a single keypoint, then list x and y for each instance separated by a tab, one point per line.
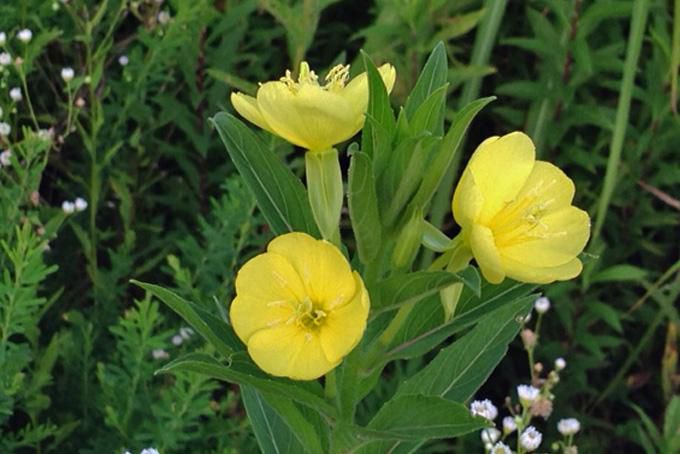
25	35
528	338
542	305
490	435
569	426
15	94
509	425
67	74
560	364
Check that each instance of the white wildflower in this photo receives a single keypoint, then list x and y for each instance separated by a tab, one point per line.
5	59
509	425
15	94
530	438
5	158
569	426
80	204
5	129
490	435
163	17
542	305
484	408
149	451
186	333
123	60
68	207
159	353
560	364
177	340
67	74
25	35
500	448
527	394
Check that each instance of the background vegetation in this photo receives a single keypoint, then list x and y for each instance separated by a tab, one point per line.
593	82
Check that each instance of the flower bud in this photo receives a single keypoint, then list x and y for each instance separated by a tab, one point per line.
408	241
528	339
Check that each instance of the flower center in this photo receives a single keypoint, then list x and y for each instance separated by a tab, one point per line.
308	316
335	80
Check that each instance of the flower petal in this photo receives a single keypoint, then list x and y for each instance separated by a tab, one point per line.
557	239
264	285
549	186
343	328
486	254
356	91
500	167
310	117
289	351
542	275
246	106
323	269
467	201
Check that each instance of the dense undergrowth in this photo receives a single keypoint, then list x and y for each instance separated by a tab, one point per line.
593	82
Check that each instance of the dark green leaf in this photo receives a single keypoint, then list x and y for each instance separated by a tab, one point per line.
363	207
432	77
279	193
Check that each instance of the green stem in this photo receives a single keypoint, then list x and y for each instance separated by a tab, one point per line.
637	29
331	390
325	191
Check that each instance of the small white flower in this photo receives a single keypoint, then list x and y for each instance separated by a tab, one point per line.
5	129
67	74
542	305
159	353
123	60
177	340
560	364
568	426
5	158
80	204
500	448
149	451
527	394
484	408
68	207
509	425
3	38
163	17
530	438
25	35
15	94
5	59
186	333
490	435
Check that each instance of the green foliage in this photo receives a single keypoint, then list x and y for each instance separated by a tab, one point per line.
591	81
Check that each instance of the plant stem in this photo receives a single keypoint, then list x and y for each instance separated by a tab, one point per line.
637	29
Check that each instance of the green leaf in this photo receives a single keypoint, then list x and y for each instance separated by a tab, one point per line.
242	371
396	291
363	207
671	425
513	298
419	417
274	425
461	368
279	193
432	77
430	115
618	273
435	240
447	150
218	333
377	133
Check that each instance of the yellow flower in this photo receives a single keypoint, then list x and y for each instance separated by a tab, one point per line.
310	115
299	307
516	214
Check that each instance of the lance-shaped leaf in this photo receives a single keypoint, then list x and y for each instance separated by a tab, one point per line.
363	207
431	78
279	193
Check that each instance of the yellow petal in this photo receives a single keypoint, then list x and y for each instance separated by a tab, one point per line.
323	269
309	117
549	187
344	326
288	351
264	287
542	275
500	167
486	254
247	107
557	239
467	201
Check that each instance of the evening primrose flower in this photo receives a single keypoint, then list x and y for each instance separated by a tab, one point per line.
299	307
308	114
516	214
